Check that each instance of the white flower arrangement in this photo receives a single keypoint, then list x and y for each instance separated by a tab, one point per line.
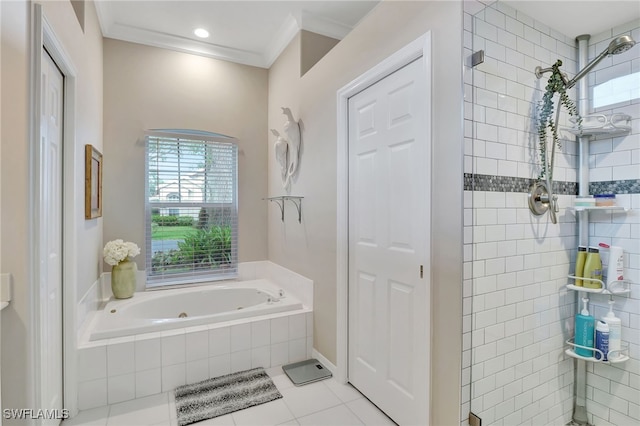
117	250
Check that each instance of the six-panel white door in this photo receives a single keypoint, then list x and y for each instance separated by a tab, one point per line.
51	129
389	238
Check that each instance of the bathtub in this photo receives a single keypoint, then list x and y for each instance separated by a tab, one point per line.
154	311
138	347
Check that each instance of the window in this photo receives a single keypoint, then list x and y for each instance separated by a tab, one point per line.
191	207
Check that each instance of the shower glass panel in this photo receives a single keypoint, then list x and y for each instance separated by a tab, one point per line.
518	312
516	305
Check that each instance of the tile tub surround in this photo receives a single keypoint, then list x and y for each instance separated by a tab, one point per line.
127	368
121	369
292	283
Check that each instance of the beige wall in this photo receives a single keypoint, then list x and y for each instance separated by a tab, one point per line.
310	248
85	52
313	47
149	88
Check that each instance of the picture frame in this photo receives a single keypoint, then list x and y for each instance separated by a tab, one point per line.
92	182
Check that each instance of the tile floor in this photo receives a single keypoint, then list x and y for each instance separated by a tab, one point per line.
323	403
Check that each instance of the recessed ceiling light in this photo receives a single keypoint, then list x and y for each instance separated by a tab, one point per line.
201	32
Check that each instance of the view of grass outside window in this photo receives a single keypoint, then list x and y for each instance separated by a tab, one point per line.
191	207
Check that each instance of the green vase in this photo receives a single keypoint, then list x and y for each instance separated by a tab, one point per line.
123	279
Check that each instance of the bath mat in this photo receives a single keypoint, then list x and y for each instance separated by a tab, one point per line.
223	395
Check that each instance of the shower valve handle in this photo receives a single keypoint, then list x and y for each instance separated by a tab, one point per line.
554	203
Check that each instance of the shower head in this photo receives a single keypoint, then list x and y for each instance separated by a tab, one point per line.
620	44
617	45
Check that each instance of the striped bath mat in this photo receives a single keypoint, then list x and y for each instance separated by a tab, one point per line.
223	395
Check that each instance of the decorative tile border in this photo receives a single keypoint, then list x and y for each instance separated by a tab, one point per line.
477	182
631	186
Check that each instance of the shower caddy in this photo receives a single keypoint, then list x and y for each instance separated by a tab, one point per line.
595	125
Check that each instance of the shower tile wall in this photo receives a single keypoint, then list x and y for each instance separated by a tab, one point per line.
517	311
613	391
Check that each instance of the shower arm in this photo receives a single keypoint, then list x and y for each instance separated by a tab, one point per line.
539	71
569	84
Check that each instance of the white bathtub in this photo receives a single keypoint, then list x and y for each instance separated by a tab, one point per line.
154	311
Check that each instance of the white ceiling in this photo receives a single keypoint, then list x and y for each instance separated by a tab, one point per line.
247	32
577	17
256	32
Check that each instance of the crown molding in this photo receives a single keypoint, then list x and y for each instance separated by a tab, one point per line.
323	26
180	44
288	30
285	34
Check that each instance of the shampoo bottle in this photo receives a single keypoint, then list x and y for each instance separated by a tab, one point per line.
615	268
602	340
580	258
584	331
592	268
615	331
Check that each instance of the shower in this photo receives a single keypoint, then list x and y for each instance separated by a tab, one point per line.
541	197
618	45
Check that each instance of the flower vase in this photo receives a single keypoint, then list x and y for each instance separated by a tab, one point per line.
123	279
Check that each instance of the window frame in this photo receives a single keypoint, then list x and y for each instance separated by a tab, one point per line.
193	277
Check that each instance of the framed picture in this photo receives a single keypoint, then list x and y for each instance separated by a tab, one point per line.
92	182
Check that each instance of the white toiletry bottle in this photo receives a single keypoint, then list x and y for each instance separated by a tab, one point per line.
615	331
602	341
615	268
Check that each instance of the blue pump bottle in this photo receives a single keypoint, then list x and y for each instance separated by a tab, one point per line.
584	330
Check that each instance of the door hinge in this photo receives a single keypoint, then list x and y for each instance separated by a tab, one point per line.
421	271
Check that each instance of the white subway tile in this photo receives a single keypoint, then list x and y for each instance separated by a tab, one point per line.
148	354
148	382
240	337
486	98
120	359
494	17
514	263
173	376
279	330
495	266
297	349
197	370
297	326
197	345
219	341
219	365
240	361
507	39
485	30
505	313
626	172
279	354
260	333
524	46
92	394
485	284
505	248
513	26
92	363
121	388
173	350
261	357
495	50
483	386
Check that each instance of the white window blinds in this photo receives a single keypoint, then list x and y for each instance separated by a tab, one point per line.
191	207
